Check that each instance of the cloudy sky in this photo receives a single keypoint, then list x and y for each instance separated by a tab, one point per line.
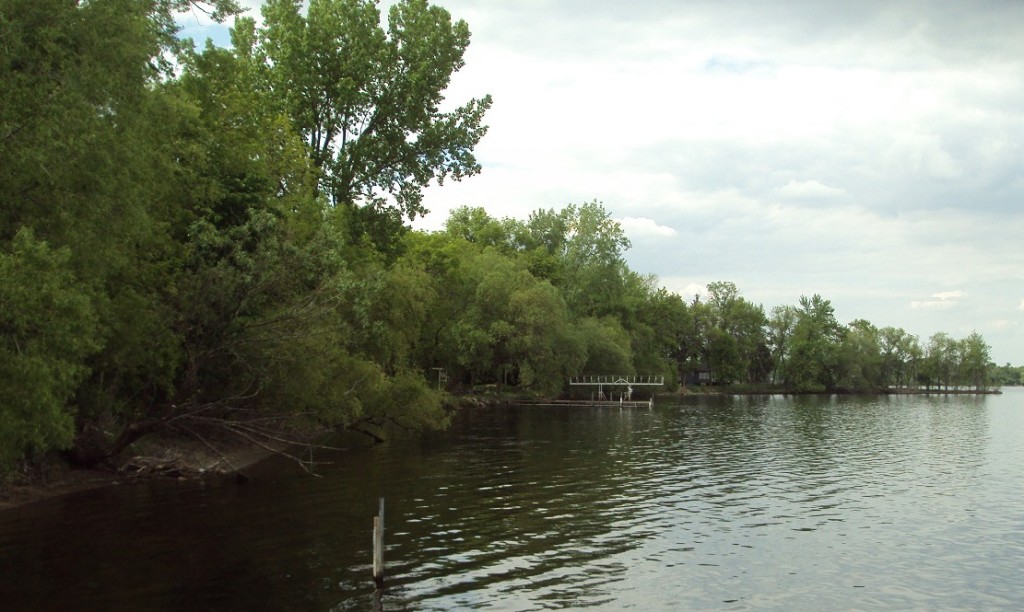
870	152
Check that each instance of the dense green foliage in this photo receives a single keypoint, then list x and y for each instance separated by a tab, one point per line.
1007	375
215	241
192	240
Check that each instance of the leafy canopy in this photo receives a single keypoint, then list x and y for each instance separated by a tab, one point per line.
368	100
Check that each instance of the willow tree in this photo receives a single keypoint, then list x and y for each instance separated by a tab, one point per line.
74	215
47	328
368	100
85	180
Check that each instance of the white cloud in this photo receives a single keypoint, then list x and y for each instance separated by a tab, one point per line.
642	227
932	305
695	289
808	190
1021	306
921	154
943	300
686	287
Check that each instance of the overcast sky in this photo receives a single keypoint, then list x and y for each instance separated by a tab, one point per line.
870	152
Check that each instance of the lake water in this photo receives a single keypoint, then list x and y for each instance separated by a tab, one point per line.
707	503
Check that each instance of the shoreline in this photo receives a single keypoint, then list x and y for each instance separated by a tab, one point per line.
70	480
179	459
185	459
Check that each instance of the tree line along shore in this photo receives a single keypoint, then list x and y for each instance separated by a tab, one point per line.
212	244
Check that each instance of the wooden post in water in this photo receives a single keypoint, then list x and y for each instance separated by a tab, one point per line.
378	546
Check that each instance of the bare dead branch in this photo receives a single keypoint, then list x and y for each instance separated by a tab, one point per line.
213	448
376	439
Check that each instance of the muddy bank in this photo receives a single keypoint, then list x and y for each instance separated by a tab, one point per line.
157	458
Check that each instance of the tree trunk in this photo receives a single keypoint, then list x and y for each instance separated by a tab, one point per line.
92	447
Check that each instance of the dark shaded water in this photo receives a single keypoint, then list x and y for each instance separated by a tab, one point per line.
723	503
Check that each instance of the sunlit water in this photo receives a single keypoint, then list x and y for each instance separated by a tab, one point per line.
722	503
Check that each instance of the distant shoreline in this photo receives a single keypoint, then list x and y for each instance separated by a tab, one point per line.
470	400
689	392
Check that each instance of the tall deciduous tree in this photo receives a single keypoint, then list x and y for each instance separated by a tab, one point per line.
900	353
780	331
860	358
671	323
939	360
738	340
594	265
976	361
368	101
813	362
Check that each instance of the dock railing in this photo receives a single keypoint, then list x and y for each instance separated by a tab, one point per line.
633	380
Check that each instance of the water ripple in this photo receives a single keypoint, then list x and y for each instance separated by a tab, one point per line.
741	498
736	503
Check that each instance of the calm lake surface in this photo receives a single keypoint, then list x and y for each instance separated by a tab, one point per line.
710	503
